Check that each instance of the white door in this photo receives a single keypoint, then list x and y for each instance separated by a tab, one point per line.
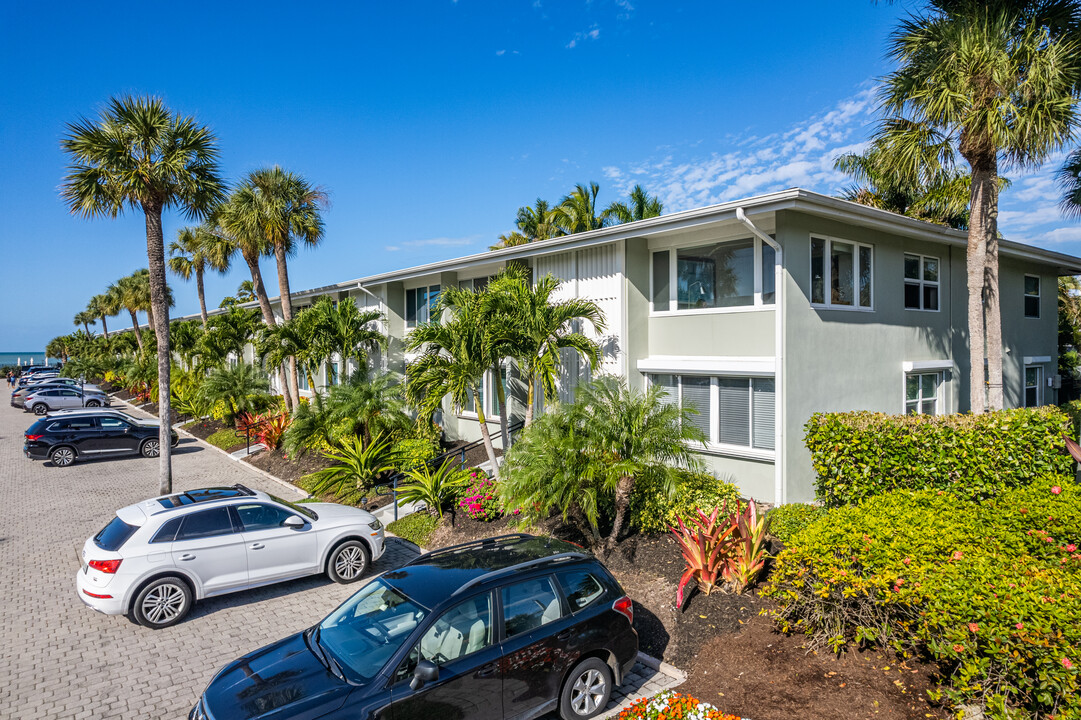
275	551
209	547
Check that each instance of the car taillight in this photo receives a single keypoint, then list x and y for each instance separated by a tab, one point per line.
106	566
32	438
624	607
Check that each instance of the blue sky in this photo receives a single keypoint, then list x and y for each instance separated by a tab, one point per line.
430	123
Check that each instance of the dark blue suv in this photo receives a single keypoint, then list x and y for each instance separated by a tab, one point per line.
507	627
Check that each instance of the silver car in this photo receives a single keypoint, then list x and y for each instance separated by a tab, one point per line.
59	398
19	395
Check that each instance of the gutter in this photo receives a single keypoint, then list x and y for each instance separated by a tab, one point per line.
778	348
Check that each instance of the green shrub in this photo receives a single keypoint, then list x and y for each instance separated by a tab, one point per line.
1073	409
991	590
224	439
654	511
787	520
411	453
860	454
416	528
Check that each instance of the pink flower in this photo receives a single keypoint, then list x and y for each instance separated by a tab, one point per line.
1056	490
1024	511
1070	548
973	627
1067	664
957	555
1020	626
899	582
958	648
1049	539
906	561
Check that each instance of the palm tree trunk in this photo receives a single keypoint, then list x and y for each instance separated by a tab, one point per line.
135	329
624	488
159	309
980	204
992	314
86	328
202	299
487	436
501	398
530	395
105	327
287	311
268	317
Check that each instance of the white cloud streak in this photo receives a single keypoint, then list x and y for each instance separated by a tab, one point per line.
433	242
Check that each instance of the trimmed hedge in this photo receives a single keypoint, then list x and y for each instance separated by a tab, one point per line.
859	454
653	511
787	520
417	528
991	590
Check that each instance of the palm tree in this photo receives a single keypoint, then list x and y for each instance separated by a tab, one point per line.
282	208
577	212
86	319
999	80
528	326
277	343
128	294
243	388
641	207
139	154
454	357
345	330
194	251
367	407
245	292
103	306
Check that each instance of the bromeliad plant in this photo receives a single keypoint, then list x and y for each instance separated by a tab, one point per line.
722	549
356	469
434	488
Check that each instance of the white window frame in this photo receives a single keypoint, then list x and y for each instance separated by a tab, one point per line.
491	401
827	271
711	445
409	325
1025	296
940	391
920	282
1025	386
673	272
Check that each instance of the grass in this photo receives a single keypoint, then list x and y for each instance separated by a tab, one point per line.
416	528
224	439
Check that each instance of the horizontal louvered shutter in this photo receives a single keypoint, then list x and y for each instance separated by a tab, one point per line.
734	411
695	392
764	408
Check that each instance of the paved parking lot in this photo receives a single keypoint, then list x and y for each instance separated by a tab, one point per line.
59	659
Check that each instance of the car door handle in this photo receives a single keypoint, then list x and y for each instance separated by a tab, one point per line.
487	670
186	556
565	635
257	546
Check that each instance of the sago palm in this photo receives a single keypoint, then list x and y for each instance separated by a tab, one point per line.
139	155
998	81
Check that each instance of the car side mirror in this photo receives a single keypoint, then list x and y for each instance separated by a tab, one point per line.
293	522
426	672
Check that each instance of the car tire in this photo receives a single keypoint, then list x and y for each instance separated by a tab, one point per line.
161	603
93	403
62	456
586	691
150	448
40	409
348	562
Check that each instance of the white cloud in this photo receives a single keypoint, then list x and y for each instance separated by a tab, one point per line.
433	242
592	33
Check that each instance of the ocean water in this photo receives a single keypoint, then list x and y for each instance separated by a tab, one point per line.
26	358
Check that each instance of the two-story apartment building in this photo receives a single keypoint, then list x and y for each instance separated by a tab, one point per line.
759	313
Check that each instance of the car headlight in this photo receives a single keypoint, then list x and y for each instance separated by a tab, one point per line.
376	525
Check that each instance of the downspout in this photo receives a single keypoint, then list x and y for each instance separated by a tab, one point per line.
779	490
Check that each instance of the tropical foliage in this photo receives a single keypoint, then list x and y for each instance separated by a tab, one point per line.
355	470
435	488
242	389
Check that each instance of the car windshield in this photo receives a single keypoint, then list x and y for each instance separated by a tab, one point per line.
310	514
368	628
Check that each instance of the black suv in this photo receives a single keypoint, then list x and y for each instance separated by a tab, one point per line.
507	627
67	437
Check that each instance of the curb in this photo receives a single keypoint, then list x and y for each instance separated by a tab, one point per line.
661	666
180	430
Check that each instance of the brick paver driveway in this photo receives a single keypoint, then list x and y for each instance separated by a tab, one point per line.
58	658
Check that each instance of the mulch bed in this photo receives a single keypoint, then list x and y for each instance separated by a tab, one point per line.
474	456
291	470
733	656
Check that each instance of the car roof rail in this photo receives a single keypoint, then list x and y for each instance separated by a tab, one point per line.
559	557
244	489
470	544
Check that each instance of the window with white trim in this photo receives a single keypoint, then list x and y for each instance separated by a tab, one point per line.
923	393
842	274
474	284
489	396
729	274
332	373
732	411
419	303
1033	376
921	282
1032	296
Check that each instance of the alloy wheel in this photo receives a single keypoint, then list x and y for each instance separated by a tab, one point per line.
163	604
587	692
63	457
350	563
151	448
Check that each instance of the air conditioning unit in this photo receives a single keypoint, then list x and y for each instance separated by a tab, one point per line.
1054	382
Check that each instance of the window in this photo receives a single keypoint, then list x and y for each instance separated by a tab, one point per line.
261	517
108	423
167	532
73	424
489	397
460	631
302	379
205	523
528	605
67	393
1032	385
922	393
1032	296
419	303
114	535
474	284
921	282
580	587
841	274
734	411
332	373
730	274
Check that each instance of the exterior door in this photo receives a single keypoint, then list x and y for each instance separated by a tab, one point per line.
116	435
209	547
535	655
68	398
461	644
273	550
81	433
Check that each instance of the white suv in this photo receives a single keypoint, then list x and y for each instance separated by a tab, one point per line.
155	558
